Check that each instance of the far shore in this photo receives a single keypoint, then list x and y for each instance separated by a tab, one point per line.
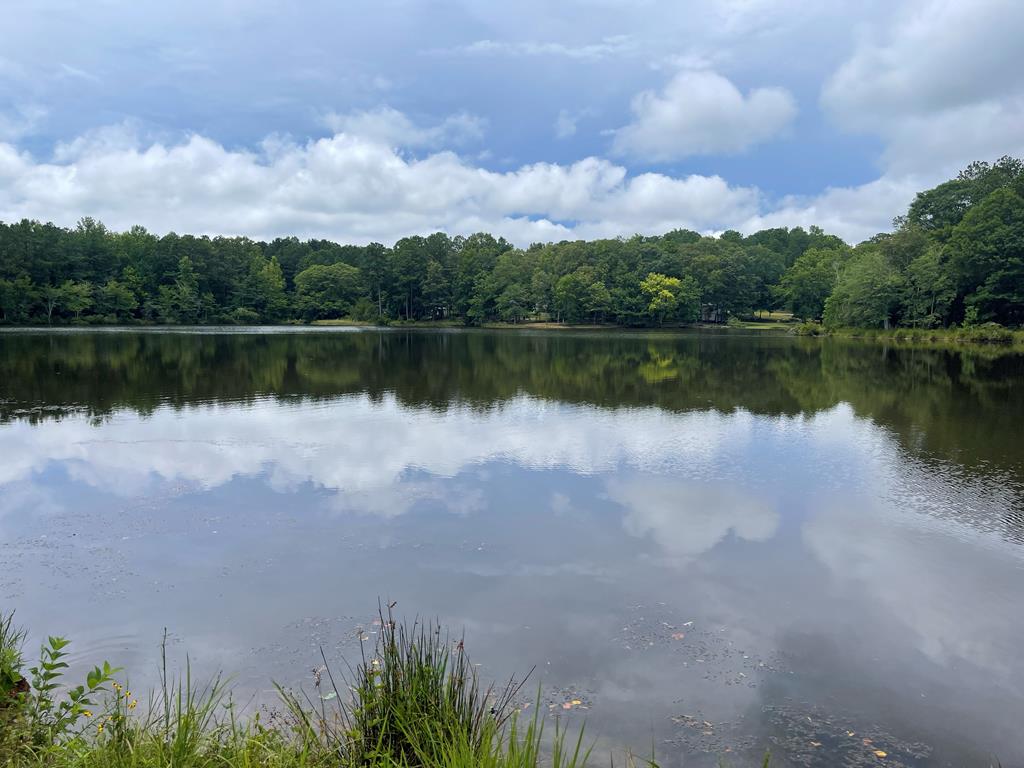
988	336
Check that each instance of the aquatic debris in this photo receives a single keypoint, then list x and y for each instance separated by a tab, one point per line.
701	735
812	736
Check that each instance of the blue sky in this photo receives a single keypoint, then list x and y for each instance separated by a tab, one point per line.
536	120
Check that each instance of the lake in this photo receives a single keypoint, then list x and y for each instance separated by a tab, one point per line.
715	542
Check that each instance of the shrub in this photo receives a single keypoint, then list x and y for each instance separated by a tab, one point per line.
807	329
986	333
244	316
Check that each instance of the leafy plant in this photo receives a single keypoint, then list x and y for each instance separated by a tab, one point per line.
53	716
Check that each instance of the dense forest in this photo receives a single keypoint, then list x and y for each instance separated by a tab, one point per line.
955	257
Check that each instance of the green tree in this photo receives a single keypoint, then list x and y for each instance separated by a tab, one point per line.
513	303
542	290
436	290
117	300
940	209
928	291
375	271
77	297
807	284
181	301
16	299
409	259
598	300
263	290
52	297
326	291
866	294
571	294
662	293
188	301
671	298
986	256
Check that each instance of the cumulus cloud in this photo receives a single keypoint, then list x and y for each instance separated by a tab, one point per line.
701	112
940	84
935	56
854	212
354	188
395	129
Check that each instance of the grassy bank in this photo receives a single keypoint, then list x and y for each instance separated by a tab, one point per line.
986	335
415	700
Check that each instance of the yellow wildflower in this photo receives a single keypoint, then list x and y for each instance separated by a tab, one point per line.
87	713
132	705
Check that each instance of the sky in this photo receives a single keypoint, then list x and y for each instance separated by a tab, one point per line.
536	120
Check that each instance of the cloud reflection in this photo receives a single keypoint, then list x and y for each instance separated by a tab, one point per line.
687	520
358	447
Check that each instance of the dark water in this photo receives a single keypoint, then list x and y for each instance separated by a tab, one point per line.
716	543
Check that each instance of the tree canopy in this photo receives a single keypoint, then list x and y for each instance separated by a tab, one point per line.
956	255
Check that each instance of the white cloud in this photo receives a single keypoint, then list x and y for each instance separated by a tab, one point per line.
936	55
615	45
351	188
854	213
395	129
940	144
701	112
941	85
20	121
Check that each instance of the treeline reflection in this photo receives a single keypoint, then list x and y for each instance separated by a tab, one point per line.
950	404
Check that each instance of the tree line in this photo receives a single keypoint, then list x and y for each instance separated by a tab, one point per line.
955	257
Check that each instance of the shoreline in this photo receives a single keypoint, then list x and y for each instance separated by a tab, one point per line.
989	337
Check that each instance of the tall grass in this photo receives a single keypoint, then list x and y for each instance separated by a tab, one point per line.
415	700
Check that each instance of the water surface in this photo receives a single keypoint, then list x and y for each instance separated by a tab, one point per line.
717	543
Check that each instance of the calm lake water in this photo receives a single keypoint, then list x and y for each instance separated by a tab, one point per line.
715	542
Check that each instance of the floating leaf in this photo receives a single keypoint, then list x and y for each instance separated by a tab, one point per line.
880	753
678	635
567	705
576	702
815	743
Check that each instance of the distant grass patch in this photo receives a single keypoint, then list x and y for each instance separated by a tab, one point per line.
985	335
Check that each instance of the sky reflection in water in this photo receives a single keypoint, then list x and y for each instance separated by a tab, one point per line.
752	566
